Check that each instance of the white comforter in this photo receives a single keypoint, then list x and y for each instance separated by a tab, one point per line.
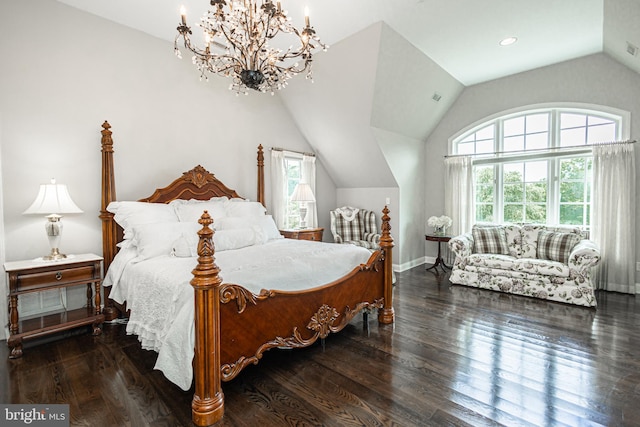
160	296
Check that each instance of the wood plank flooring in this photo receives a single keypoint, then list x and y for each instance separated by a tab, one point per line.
456	356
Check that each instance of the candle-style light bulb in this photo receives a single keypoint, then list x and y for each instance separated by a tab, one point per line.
306	16
183	15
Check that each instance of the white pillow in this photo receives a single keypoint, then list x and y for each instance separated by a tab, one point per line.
131	214
191	211
157	239
244	208
186	245
264	222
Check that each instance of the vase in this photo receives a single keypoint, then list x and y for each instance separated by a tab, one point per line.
439	230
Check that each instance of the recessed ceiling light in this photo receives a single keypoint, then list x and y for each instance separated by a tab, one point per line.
508	41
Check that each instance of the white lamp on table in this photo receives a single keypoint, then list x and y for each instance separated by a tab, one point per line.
303	195
53	200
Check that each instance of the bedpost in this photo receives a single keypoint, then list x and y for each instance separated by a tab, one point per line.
207	406
108	224
386	314
261	176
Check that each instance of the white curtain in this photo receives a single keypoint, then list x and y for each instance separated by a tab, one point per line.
614	191
459	198
278	188
308	175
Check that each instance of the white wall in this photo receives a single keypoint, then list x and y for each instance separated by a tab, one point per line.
595	79
68	73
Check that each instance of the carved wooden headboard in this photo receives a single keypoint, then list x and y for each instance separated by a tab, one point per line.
197	183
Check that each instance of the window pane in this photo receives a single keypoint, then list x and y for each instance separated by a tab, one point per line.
513	172
485	146
536	171
595	120
514	126
537	123
466	148
484	213
513	193
571	214
514	143
602	133
568	120
513	213
572	169
537	140
571	192
486	133
573	137
536	192
536	213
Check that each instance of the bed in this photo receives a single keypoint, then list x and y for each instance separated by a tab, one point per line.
234	324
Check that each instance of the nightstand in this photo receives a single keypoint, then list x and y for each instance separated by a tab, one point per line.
37	275
314	234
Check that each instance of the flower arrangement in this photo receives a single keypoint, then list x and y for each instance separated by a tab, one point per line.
439	223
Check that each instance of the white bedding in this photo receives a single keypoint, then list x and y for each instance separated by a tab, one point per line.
160	296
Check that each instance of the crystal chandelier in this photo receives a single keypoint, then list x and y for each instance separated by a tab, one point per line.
242	35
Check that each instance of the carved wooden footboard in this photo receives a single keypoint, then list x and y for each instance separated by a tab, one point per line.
234	327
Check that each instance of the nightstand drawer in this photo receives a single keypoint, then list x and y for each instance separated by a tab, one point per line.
30	281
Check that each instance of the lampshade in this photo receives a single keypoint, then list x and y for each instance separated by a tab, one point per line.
302	193
53	199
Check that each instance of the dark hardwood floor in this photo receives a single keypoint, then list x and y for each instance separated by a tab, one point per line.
456	356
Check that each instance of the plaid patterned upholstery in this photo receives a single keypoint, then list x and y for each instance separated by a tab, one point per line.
489	240
556	246
355	226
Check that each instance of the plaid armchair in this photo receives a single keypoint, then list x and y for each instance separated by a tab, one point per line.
355	226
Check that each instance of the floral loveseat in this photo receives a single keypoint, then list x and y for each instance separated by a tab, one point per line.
552	263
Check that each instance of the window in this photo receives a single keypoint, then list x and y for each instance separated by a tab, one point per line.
534	166
293	167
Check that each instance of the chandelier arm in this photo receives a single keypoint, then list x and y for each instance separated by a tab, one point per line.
235	47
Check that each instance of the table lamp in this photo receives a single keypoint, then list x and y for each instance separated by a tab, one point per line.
53	200
303	194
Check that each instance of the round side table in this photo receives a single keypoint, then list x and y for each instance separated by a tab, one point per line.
439	261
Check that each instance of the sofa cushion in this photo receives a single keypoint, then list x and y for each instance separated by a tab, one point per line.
541	267
503	262
489	239
530	240
556	246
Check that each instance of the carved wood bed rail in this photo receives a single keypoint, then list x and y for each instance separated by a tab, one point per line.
273	318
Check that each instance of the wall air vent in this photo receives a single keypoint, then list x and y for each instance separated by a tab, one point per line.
436	96
632	49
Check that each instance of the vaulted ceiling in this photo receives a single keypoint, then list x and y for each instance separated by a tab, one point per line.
375	86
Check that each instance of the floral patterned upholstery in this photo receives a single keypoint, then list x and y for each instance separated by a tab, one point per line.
522	272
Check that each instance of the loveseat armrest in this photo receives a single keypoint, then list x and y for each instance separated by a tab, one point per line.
462	245
584	255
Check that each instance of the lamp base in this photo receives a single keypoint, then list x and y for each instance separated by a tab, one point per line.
54	255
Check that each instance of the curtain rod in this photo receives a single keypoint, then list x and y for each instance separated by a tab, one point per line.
571	147
293	151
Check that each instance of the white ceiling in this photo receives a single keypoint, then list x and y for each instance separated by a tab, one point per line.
459	35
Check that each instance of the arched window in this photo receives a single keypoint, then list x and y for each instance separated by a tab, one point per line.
535	165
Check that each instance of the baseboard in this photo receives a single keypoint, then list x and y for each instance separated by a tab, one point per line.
414	263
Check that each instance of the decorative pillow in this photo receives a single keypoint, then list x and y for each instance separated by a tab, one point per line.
152	240
191	210
131	214
514	239
530	239
223	240
556	246
489	240
264	222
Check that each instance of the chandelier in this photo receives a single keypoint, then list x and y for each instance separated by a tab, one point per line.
237	45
